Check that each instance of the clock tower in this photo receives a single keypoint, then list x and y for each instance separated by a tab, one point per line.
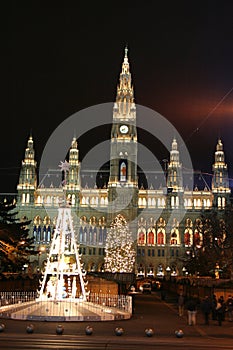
123	182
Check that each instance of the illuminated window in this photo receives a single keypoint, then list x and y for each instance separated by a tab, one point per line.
188	237
174	237
141	238
150	238
161	237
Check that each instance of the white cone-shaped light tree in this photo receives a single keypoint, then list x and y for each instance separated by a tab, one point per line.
119	251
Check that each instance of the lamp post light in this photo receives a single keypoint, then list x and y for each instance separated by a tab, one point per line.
184	271
168	270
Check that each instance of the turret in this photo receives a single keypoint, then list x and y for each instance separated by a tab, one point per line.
220	182
28	178
175	178
73	176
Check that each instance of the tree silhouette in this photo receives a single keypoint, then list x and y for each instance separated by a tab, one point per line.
15	244
215	254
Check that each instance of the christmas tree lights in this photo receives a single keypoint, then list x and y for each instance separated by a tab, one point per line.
120	253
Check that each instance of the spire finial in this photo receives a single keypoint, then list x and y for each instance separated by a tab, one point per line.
126	51
126	55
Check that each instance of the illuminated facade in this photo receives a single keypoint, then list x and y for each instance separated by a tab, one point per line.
159	241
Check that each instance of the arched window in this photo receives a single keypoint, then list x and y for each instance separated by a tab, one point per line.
123	171
48	238
38	234
100	235
104	234
90	234
197	238
35	233
150	237
188	237
174	237
141	237
81	234
161	237
44	235
85	235
223	202
94	235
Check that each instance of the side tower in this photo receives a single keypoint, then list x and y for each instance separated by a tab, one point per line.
174	178
73	178
123	182
220	182
28	178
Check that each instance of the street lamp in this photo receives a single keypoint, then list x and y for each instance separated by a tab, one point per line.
168	270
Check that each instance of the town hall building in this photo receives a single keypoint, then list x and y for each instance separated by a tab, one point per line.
161	235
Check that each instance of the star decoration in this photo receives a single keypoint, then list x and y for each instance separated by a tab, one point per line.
64	166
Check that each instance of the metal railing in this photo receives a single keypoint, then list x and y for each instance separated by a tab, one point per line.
25	305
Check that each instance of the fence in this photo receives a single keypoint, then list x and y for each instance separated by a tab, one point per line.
25	305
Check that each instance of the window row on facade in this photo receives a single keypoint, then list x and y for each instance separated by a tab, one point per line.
159	270
189	203
91	231
142	252
153	237
143	202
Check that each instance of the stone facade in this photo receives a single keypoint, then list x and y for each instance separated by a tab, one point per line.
163	220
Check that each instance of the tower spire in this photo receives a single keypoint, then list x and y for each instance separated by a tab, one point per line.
123	180
220	182
28	177
175	177
126	55
125	96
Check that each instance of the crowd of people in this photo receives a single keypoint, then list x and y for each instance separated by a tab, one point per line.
215	308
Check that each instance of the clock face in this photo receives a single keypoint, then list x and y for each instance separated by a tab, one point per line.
124	129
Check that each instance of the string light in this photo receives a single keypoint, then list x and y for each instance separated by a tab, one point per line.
120	253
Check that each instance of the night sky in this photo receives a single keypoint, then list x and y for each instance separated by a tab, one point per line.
61	57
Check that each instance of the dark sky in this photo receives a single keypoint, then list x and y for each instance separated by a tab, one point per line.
61	57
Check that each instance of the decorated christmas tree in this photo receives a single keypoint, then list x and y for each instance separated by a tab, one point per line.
120	253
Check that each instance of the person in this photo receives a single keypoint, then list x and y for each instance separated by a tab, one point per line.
192	311
220	311
206	307
229	307
214	304
181	304
223	307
